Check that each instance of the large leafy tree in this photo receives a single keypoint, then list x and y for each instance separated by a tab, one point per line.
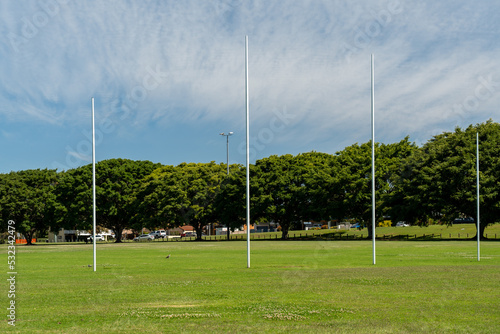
354	177
284	189
183	194
74	192
230	204
318	190
275	192
117	181
288	189
159	200
439	181
28	198
390	163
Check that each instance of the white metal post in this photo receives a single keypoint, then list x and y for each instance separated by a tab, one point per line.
373	159
93	187
248	151
478	220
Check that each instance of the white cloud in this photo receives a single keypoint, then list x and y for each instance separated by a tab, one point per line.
311	57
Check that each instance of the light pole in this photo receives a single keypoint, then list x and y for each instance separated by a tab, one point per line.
227	147
227	163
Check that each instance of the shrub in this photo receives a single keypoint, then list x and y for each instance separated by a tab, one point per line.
385	223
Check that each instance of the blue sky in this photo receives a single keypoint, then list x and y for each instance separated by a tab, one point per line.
168	76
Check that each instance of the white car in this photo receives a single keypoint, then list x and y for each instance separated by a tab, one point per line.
158	234
144	237
402	224
98	237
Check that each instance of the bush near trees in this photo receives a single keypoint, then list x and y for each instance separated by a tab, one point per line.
436	181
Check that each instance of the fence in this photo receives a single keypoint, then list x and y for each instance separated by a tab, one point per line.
334	236
327	236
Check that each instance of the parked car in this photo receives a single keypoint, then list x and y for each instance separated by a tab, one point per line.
144	237
98	237
402	224
188	234
468	220
158	234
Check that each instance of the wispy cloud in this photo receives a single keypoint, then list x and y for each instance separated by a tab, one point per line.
311	57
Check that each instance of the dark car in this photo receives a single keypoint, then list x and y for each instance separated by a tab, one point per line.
468	220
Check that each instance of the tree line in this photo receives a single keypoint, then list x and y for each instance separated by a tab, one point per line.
415	184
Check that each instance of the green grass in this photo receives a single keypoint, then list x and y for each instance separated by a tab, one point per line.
292	286
457	231
434	232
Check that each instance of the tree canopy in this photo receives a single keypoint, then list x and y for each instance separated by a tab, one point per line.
117	181
184	194
436	181
439	180
28	198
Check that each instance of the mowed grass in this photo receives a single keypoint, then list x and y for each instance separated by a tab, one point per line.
292	286
431	232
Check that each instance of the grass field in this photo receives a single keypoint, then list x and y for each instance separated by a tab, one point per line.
432	232
292	286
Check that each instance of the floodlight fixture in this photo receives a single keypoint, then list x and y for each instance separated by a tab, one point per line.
227	147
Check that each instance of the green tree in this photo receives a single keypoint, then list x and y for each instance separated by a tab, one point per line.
159	200
354	177
74	192
439	181
274	192
318	190
390	163
287	189
28	198
117	181
184	194
230	204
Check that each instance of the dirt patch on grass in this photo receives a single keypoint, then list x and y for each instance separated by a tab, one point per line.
161	305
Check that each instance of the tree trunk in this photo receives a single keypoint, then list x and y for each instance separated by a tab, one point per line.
199	234
284	231
482	228
118	233
29	237
370	231
199	230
